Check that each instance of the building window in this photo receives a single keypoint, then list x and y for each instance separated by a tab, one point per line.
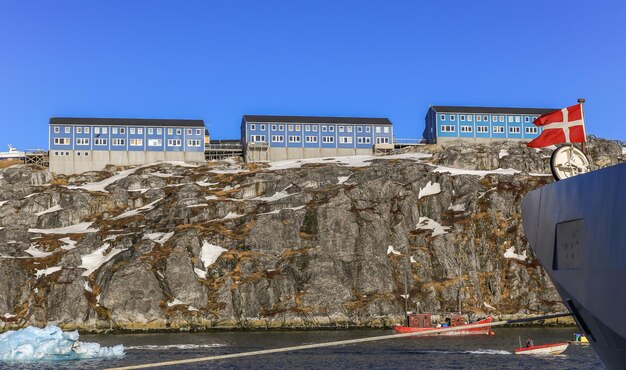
56	129
198	131
262	127
331	128
345	139
257	138
159	131
96	130
328	139
498	129
494	118
289	127
155	142
122	130
189	131
114	130
281	127
104	130
273	127
364	140
136	142
452	117
307	128
62	141
324	128
501	118
386	130
150	131
132	131
82	141
466	128
517	119
311	139
349	128
193	143
531	130
368	129
359	129
526	119
340	128
118	142
67	130
86	130
510	118
482	129
485	118
382	140
378	129
79	130
170	131
294	139
448	128
179	131
462	117
514	130
442	117
298	128
469	118
479	118
99	141
314	128
278	138
86	154
252	127
174	142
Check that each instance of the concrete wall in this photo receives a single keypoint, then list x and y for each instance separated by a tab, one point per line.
97	160
281	154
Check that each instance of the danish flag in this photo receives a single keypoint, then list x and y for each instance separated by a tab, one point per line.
561	126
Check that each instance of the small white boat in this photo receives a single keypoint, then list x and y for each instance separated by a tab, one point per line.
545	349
13	153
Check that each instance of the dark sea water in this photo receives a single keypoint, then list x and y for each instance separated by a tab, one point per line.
469	352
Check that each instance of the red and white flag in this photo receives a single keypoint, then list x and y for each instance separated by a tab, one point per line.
561	126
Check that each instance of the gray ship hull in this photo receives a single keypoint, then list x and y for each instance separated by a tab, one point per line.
577	229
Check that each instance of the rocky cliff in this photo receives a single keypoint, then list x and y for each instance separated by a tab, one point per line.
317	243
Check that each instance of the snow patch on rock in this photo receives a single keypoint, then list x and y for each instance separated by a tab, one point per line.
80	228
426	223
94	260
391	250
431	188
510	253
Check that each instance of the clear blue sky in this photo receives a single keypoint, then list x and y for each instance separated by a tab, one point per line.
218	60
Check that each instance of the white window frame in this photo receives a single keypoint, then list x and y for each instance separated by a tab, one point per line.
442	117
482	129
498	129
79	130
378	129
155	142
518	119
131	131
252	127
470	118
340	129
278	138
262	127
68	129
466	128
453	117
514	130
386	129
462	118
479	118
56	129
331	128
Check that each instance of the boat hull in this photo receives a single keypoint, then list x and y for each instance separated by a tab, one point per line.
468	329
577	230
546	349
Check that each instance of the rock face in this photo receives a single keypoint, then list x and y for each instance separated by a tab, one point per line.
227	245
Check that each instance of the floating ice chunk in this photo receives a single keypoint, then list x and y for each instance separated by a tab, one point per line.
510	253
391	250
431	188
426	223
51	343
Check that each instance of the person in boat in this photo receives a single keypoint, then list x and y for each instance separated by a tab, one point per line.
529	343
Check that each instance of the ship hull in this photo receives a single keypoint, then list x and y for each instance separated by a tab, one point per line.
577	230
468	329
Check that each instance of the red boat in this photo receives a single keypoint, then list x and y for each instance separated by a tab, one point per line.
422	322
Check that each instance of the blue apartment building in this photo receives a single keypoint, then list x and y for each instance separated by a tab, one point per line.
79	145
274	138
481	124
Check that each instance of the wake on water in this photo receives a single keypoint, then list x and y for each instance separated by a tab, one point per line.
51	343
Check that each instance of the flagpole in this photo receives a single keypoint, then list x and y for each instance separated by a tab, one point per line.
581	101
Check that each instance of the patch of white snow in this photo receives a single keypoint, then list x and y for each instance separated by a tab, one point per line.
160	238
81	228
391	250
503	153
457	208
431	188
48	271
510	253
210	253
426	223
92	261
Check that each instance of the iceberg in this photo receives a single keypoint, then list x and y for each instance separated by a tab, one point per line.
51	344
